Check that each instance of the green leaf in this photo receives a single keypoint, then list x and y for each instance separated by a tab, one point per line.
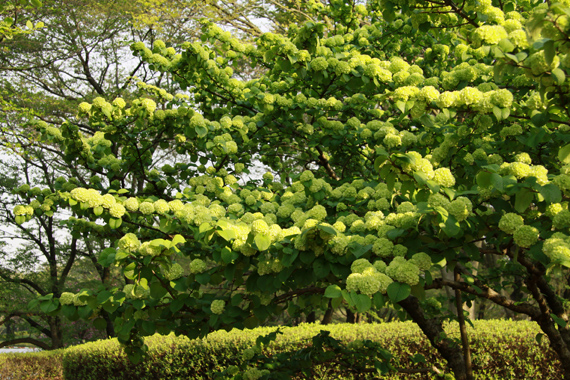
497	181
84	312
157	291
558	75
205	227
498	113
433	186
29	24
401	106
36	3
398	292
551	193
251	323
559	321
362	303
418	358
539	119
201	131
506	45
228	256
203	278
227	234
549	51
483	179
327	229
451	227
177	239
333	291
359	250
564	154
262	242
424	26
321	268
104	296
421	178
523	199
176	305
115	223
69	311
100	324
49	306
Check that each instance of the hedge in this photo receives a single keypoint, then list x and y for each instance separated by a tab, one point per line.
42	365
501	350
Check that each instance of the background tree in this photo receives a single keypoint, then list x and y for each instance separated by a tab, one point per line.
82	53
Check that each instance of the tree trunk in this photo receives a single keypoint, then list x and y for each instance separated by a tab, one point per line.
327	318
433	330
352	317
311	317
56	333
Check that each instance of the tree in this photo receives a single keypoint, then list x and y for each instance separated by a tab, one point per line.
82	53
12	22
405	137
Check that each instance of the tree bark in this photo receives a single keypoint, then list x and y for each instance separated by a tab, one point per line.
433	330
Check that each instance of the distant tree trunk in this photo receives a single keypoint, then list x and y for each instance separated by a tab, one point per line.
311	317
448	276
352	317
327	318
56	333
482	309
9	330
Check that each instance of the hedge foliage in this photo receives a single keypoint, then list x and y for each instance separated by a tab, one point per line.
45	365
501	350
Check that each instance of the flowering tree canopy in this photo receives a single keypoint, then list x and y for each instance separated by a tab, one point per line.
399	137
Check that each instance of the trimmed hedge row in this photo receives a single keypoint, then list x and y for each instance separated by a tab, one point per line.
501	350
32	366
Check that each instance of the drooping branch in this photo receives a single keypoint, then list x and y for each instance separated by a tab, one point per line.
35	342
488	293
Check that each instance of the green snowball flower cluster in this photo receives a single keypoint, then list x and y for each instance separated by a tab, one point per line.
136	292
383	247
146	208
148	249
129	243
67	298
490	34
217	306
460	208
557	247
421	260
174	272
403	271
369	282
254	374
77	301
510	222
198	266
117	210
359	265
525	236
23	210
443	177
561	220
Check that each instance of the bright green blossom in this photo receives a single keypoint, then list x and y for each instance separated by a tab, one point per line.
510	222
525	236
197	266
217	306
